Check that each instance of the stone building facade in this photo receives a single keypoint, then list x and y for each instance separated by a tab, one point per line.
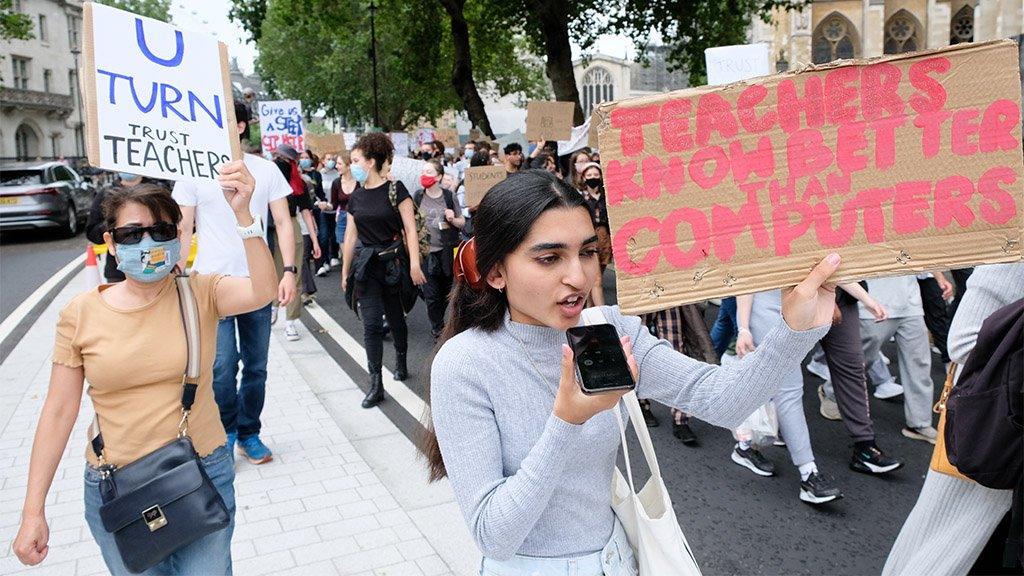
39	90
602	78
827	30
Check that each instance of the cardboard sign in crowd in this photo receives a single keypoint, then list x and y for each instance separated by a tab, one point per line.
157	98
901	164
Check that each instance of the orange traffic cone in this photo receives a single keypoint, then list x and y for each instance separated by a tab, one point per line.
92	270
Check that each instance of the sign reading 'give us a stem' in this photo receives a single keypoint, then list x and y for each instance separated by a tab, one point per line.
158	98
901	164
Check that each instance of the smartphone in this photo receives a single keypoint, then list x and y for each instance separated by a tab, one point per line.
600	361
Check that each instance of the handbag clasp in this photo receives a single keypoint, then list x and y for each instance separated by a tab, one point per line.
154	518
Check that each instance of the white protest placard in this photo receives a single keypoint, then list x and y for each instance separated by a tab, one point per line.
158	99
401	142
281	123
407	171
350	140
728	64
425	136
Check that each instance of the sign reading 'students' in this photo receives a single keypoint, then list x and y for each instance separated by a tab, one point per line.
900	164
158	99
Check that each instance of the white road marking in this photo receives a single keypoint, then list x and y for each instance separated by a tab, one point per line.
406	398
12	321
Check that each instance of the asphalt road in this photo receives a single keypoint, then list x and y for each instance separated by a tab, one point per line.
30	258
736	522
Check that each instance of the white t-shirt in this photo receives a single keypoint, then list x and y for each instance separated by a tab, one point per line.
900	295
220	247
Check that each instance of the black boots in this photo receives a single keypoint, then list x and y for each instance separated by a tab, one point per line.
401	368
376	394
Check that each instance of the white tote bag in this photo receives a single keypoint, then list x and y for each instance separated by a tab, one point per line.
647	516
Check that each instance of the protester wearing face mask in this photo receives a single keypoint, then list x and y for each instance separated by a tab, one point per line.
95	225
592	179
580	160
444	220
426	151
128	337
437	151
528	455
381	247
329	246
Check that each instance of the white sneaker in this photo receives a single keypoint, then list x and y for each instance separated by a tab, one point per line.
829	409
290	332
335	262
888	390
273	314
885	359
818	369
323	270
928	434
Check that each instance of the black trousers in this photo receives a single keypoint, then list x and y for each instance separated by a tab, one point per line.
436	291
844	353
960	281
377	300
936	315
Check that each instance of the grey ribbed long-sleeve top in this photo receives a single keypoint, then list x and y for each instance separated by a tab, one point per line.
530	483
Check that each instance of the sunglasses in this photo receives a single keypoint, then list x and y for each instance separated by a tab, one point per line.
159	232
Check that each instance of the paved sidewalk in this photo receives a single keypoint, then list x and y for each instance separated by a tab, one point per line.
344	494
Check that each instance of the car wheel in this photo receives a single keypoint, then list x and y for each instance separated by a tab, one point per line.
71	227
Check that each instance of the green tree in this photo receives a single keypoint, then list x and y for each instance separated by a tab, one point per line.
249	14
14	25
156	9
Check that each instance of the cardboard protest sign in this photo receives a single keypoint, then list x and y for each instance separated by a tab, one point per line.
424	136
401	142
407	171
281	123
450	137
322	144
901	164
480	179
549	120
474	134
728	64
157	98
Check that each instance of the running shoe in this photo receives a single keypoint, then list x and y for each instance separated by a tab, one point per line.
290	332
871	460
927	434
335	262
255	450
684	433
829	409
753	460
887	390
818	490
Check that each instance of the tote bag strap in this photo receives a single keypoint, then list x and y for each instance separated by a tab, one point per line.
590	317
189	382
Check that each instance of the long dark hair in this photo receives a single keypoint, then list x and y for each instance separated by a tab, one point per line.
502	222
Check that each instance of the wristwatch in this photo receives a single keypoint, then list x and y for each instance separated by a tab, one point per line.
254	230
291	269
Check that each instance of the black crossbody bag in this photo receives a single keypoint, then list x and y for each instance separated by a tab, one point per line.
163	501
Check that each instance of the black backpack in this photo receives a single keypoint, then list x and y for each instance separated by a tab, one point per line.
985	412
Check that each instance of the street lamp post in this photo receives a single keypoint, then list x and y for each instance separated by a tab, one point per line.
80	133
373	57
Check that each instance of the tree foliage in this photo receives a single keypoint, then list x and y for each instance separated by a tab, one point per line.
156	9
14	25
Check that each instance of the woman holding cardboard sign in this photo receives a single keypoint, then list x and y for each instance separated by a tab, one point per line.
528	454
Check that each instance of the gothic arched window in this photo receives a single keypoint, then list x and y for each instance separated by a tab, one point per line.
902	34
597	88
961	28
834	38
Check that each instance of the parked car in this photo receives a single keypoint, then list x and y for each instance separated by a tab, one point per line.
37	195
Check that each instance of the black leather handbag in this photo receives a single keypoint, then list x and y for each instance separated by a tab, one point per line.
163	501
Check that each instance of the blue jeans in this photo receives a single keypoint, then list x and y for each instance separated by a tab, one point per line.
210	554
339	229
241	405
615	559
724	329
325	236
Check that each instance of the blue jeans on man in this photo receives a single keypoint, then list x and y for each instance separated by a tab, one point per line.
241	403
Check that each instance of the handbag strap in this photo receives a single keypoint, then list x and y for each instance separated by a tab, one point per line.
590	317
189	382
940	406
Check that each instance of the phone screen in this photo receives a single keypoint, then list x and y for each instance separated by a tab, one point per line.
599	358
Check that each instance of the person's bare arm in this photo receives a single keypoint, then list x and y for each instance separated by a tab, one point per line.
285	237
60	410
744	338
348	249
412	240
